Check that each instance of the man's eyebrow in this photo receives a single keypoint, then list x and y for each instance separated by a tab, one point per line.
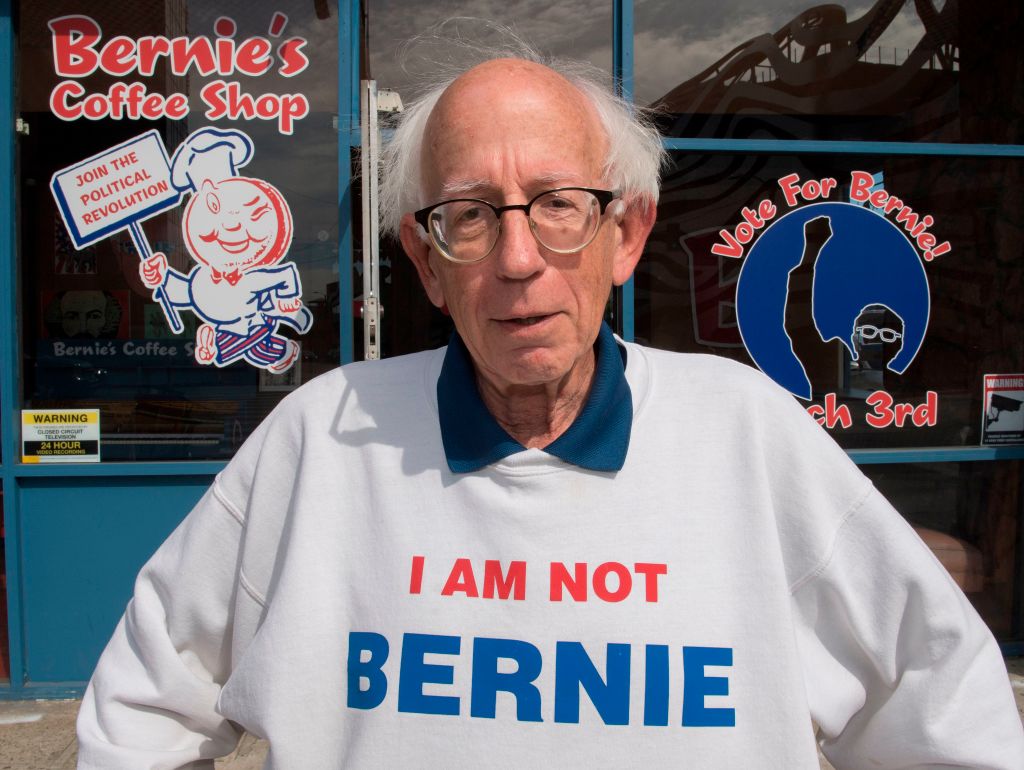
478	186
559	178
463	186
252	202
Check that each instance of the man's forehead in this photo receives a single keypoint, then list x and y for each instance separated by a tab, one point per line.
511	111
516	73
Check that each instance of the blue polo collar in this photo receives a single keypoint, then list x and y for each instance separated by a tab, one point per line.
597	439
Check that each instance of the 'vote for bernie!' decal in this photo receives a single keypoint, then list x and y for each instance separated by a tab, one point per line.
862	261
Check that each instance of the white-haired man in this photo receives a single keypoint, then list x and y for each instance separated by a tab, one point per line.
543	546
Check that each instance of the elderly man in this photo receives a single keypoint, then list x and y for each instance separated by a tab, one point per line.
543	546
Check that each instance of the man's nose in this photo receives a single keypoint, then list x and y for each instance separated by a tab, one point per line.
517	251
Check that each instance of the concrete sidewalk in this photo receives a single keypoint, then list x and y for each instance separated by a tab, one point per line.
40	735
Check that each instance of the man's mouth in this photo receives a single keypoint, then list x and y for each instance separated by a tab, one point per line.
530	320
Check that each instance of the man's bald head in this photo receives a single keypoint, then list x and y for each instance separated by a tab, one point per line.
629	146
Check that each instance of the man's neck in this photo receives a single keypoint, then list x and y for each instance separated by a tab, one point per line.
536	415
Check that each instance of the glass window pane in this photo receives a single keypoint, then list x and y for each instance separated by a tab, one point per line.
787	289
889	70
409	323
969	515
94	335
570	30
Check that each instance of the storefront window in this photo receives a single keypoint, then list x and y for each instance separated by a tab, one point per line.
888	70
969	515
242	98
879	290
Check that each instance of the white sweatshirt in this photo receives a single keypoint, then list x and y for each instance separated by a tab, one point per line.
341	593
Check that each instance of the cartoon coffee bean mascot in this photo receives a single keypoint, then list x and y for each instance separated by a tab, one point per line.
238	230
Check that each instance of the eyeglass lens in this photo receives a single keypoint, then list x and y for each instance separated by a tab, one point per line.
562	221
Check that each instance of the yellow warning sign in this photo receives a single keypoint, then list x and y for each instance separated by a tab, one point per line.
60	435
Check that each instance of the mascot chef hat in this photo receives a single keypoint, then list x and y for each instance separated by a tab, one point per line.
209	154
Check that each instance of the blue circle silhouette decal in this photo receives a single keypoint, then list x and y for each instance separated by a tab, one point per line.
866	260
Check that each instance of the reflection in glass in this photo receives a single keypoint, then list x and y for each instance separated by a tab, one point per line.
969	516
576	29
93	335
882	70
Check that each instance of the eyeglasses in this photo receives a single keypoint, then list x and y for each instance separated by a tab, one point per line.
564	221
869	332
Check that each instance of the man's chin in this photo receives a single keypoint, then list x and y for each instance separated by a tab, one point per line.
534	367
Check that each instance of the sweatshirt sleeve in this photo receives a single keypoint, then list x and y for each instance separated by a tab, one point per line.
152	699
900	670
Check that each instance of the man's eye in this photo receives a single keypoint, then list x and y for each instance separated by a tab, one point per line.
470	214
558	203
468	219
557	209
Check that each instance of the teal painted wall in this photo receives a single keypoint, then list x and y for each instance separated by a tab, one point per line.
82	543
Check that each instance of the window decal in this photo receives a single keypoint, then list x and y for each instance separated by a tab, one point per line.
79	50
1003	421
236	228
862	261
60	436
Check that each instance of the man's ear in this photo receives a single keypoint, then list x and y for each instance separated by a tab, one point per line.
416	244
634	225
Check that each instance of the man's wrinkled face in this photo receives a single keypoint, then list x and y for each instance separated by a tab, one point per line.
503	133
236	224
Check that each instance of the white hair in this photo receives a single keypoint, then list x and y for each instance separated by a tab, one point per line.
635	154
